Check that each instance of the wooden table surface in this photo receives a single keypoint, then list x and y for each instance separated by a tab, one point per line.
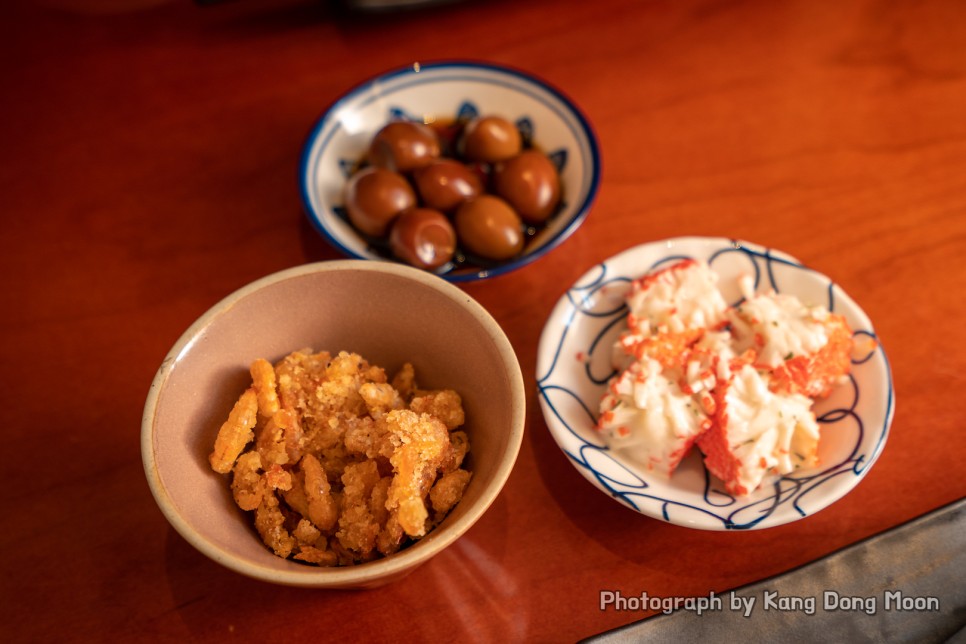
150	156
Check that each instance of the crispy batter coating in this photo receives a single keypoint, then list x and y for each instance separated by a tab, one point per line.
317	556
235	433
369	437
278	479
270	443
288	421
295	496
448	491
378	498
246	485
459	446
345	466
344	376
391	536
445	404
305	533
322	508
269	522
263	382
357	527
380	398
405	381
421	443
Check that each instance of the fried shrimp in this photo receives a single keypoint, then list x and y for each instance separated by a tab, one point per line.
323	511
247	486
235	433
448	491
445	405
269	522
339	463
421	441
263	382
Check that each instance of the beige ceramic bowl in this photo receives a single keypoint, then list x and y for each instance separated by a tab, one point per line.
388	313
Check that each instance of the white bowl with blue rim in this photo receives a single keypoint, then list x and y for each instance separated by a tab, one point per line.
449	91
574	364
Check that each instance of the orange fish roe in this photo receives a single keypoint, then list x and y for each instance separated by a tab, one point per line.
719	458
666	347
645	282
815	375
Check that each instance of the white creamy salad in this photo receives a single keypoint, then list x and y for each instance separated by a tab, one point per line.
693	370
779	324
682	296
650	418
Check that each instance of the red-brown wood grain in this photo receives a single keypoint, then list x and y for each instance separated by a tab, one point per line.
150	158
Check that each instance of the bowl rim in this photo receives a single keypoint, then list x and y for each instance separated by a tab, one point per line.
360	574
586	129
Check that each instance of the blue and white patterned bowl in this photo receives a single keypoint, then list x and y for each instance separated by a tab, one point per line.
574	365
447	91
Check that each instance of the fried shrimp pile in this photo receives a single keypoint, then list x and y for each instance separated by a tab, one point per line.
339	464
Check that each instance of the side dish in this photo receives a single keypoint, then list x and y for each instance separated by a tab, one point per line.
339	463
465	191
737	381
